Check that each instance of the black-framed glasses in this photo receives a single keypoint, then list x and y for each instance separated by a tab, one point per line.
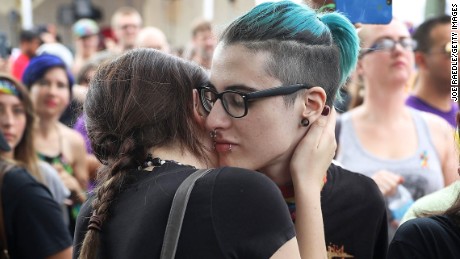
387	44
235	103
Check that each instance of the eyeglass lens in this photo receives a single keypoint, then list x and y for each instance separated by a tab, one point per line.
233	102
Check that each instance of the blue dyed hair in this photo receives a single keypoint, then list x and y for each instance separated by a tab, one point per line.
39	65
305	47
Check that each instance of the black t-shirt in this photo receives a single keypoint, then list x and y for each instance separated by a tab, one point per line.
354	214
33	220
433	237
232	213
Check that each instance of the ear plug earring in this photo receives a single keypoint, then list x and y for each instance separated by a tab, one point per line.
305	122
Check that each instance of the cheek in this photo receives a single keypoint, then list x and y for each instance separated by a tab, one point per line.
21	123
36	92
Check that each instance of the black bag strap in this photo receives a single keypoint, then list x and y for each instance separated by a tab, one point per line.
3	240
177	212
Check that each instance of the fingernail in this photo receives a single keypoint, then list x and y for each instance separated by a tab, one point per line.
326	110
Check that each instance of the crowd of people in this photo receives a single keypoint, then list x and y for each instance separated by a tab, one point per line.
96	141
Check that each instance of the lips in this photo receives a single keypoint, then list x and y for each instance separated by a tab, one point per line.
222	146
10	138
51	103
399	64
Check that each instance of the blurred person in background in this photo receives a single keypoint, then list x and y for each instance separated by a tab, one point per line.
203	43
432	56
32	220
50	84
86	35
29	42
436	232
17	121
371	137
126	23
152	37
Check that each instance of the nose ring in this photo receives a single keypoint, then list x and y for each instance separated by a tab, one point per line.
213	134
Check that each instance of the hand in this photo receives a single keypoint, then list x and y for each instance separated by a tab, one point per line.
78	194
387	182
313	155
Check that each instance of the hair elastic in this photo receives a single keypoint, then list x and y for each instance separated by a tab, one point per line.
95	222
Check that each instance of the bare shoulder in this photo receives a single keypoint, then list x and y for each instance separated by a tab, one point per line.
72	136
438	126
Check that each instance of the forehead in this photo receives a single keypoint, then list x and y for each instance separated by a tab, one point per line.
440	33
370	33
10	99
129	18
56	72
236	64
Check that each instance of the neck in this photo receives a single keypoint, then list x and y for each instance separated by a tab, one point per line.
47	127
182	156
430	91
278	172
384	101
8	155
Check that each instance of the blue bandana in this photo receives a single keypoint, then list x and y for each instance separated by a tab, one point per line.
38	67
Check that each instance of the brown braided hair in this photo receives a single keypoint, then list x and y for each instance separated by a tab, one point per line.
140	100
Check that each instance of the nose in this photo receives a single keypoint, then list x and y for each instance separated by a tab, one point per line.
398	47
218	117
6	119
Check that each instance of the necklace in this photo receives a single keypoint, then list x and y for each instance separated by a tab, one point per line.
153	162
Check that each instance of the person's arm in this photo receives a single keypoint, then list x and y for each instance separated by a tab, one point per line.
450	161
309	164
79	165
64	254
93	164
442	136
289	250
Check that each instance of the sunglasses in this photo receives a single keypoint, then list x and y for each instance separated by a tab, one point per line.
235	103
445	50
387	44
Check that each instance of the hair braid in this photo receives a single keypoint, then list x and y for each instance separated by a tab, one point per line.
111	181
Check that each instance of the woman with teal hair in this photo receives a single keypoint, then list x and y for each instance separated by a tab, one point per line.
275	72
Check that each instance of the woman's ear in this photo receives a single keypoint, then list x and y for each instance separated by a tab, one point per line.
198	109
313	103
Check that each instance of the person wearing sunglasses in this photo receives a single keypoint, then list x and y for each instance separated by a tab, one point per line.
275	72
408	153
432	56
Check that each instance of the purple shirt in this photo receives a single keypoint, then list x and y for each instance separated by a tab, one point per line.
421	105
80	126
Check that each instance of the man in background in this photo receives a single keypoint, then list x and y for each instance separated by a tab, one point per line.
432	56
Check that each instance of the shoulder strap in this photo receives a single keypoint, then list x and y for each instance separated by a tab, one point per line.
177	212
3	240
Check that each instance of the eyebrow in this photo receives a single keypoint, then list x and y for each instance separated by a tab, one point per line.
391	38
236	87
